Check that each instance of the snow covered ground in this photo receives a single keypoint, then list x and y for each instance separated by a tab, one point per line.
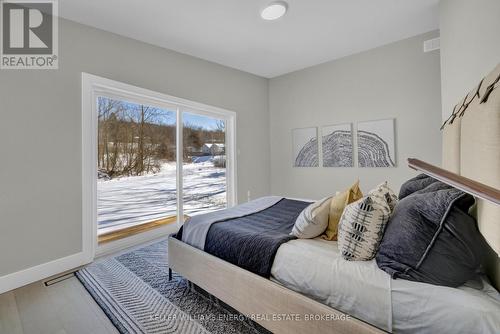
127	201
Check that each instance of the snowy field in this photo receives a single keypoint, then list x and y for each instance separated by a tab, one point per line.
127	201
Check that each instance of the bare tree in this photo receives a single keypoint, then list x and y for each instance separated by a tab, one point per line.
135	139
220	125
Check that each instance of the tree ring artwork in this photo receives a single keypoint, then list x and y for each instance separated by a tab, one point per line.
337	145
376	143
305	147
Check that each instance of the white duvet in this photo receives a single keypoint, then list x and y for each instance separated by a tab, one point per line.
314	267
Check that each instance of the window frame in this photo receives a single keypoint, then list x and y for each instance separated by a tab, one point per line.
93	87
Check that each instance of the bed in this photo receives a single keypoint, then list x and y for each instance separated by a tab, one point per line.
315	268
289	280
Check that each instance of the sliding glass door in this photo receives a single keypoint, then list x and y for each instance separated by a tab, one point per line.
159	161
204	163
136	164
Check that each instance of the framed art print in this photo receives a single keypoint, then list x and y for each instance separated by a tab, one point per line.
305	147
376	143
337	145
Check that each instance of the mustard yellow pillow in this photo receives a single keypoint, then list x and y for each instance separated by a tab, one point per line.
337	206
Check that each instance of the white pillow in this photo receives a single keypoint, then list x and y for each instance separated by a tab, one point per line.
313	220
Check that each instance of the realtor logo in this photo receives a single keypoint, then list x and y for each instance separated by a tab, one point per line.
29	34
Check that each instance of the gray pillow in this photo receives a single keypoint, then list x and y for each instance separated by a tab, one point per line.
431	238
416	184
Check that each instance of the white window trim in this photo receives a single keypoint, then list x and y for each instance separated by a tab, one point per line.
94	86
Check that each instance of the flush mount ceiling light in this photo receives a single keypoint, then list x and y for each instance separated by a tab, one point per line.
274	10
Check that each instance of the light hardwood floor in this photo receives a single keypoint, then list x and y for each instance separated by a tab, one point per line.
136	229
62	308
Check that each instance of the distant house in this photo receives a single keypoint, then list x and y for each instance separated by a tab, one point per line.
213	149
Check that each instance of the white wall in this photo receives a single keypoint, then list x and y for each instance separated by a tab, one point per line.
470	46
40	133
394	81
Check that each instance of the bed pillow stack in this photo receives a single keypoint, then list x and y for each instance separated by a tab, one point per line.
322	217
313	220
337	206
431	237
363	223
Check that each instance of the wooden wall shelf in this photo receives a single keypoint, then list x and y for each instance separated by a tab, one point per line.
460	182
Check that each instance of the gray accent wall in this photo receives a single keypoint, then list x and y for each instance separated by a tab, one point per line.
394	81
470	46
40	133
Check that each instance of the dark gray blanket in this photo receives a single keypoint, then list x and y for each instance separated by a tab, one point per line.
196	228
251	242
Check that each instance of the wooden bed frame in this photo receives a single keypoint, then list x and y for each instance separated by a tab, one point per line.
257	297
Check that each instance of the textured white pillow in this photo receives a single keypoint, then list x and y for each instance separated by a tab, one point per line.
363	222
313	220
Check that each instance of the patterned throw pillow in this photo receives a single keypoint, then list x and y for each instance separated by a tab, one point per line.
386	192
313	220
363	222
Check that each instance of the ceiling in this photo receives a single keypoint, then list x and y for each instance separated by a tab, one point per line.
231	32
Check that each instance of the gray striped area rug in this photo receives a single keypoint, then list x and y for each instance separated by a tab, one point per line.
134	292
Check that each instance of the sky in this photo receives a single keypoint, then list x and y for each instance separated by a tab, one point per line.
197	120
168	117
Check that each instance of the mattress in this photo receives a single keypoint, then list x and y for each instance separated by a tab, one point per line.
315	268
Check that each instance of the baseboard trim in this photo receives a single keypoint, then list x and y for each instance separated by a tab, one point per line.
45	270
30	275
